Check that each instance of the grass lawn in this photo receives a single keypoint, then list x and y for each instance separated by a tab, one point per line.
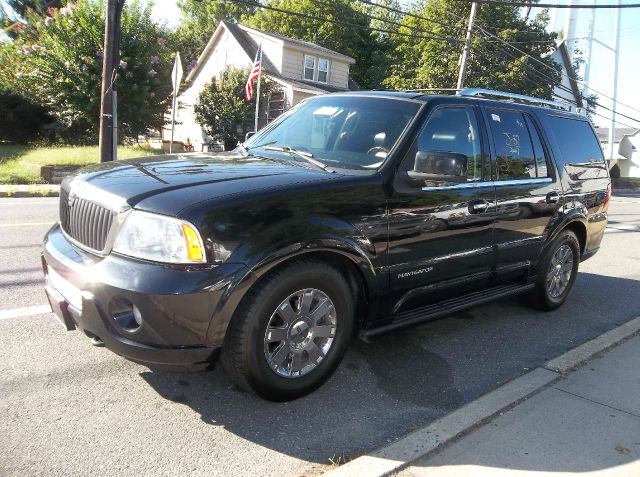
21	164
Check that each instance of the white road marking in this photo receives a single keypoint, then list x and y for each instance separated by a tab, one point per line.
622	228
26	311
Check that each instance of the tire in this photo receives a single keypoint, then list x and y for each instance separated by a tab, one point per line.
553	286
260	361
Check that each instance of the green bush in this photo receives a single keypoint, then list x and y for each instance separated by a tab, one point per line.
222	110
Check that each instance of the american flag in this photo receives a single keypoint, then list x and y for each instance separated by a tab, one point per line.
255	72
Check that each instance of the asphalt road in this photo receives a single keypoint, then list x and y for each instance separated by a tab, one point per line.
69	408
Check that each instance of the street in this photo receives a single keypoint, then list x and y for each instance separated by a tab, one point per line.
67	407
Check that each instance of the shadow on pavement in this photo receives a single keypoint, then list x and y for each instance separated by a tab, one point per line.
405	380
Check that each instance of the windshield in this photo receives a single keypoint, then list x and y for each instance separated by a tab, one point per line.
341	131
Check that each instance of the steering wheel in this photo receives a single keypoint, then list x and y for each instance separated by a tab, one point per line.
376	149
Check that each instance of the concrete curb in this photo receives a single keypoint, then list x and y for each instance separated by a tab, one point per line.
36	190
574	358
396	456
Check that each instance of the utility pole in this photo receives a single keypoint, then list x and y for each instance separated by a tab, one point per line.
467	46
108	135
614	102
589	55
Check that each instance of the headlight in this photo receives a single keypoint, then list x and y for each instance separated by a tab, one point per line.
159	238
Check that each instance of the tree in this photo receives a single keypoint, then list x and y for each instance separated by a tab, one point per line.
434	63
199	20
222	110
58	61
354	40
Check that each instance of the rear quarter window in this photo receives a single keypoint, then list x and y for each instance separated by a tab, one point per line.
580	153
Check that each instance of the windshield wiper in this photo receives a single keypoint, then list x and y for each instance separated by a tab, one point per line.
245	149
307	156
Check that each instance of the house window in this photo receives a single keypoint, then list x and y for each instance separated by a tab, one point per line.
316	69
323	71
309	67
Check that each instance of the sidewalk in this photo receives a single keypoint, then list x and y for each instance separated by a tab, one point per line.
588	422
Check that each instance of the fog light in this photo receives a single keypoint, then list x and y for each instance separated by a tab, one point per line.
126	315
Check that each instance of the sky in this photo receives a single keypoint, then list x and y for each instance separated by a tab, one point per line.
166	11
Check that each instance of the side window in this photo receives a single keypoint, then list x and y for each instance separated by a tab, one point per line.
514	151
455	130
538	150
580	153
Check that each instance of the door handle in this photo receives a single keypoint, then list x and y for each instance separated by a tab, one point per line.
552	198
478	206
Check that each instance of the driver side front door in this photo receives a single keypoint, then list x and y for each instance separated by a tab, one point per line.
441	233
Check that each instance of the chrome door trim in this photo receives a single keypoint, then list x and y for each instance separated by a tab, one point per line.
532	181
463	185
485	184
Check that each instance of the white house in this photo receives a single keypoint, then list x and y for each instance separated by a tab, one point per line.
630	149
300	69
626	146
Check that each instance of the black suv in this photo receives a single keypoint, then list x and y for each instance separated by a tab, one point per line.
351	214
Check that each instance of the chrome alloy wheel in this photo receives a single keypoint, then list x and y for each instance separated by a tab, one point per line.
300	333
560	270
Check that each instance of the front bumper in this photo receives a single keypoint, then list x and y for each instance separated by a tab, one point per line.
174	306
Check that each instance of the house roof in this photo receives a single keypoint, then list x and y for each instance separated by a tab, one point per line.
250	47
300	44
603	133
566	64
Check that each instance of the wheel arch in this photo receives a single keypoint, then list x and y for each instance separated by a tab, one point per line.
357	267
573	221
580	229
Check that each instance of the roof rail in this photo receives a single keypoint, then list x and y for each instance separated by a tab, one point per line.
516	98
427	90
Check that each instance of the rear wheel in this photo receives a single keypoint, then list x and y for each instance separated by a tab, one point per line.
291	332
557	273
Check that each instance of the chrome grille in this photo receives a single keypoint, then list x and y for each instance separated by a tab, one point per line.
85	221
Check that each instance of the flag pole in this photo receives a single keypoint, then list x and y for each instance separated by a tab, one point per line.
255	126
173	112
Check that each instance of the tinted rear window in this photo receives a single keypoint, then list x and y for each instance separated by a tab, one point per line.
581	156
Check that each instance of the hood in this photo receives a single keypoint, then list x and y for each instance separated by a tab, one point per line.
168	184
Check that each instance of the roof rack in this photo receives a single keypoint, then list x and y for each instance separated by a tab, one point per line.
422	90
516	98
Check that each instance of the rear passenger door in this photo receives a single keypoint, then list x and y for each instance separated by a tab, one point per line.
527	189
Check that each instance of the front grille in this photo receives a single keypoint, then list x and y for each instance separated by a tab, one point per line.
84	221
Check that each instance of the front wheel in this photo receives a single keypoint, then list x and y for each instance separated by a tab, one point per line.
557	273
291	332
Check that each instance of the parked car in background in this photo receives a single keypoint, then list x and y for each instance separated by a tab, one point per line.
352	214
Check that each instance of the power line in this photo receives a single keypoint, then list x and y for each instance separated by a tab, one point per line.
435	36
385	20
567	90
538	61
432	36
552	5
530	80
409	14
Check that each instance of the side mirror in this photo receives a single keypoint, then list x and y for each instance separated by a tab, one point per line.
248	135
439	167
